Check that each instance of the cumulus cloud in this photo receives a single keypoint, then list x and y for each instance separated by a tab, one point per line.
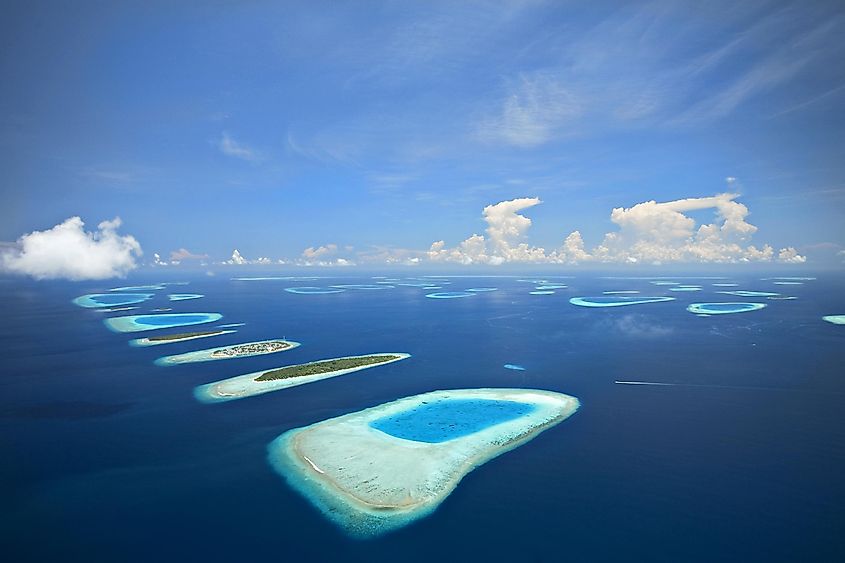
236	259
649	232
69	251
311	252
184	254
505	229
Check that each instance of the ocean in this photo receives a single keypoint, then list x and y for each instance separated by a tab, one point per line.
740	456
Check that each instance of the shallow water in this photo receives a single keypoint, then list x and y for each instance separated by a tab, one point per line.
446	420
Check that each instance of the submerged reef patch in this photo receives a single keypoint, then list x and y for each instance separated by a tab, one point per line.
743	293
381	468
516	367
184	296
314	290
835	319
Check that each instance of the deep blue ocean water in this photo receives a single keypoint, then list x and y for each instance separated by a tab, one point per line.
107	457
446	420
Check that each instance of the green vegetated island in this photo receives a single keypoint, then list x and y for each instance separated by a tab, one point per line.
180	337
325	366
265	381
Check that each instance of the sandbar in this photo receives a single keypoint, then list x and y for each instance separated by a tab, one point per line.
138	323
616	300
266	381
181	337
541	292
382	468
242	350
548	286
515	367
683	288
482	289
724	308
835	319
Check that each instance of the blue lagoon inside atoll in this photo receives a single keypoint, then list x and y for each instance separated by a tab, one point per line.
138	323
724	308
441	421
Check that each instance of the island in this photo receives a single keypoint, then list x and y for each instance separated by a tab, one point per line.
723	308
266	381
616	300
229	352
381	468
138	323
180	337
151	287
835	319
94	300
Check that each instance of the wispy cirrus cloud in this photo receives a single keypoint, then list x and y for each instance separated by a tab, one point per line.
230	147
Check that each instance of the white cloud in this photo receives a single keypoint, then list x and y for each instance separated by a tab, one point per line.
649	232
230	147
68	251
311	252
790	256
184	254
536	110
236	259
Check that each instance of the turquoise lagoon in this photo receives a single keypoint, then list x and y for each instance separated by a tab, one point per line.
111	299
724	308
446	420
138	323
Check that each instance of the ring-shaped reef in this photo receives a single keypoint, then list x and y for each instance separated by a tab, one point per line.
138	323
449	294
743	293
233	351
180	337
723	308
835	319
93	300
184	296
307	290
382	468
260	382
616	300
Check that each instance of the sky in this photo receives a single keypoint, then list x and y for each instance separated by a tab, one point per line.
411	133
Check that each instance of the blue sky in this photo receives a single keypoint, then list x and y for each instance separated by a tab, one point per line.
383	127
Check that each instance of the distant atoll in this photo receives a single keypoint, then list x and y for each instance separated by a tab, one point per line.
242	350
93	300
314	290
724	308
450	294
381	468
184	296
616	300
137	323
266	381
